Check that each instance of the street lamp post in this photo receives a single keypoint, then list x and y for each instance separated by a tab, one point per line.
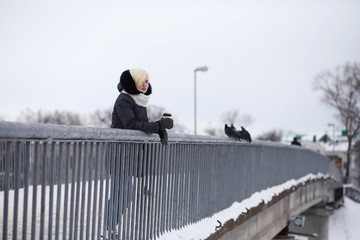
202	69
333	125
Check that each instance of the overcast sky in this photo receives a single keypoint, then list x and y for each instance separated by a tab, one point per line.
262	56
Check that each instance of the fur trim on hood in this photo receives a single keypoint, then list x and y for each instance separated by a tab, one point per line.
127	83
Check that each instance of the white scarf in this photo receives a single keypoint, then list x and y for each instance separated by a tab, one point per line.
140	99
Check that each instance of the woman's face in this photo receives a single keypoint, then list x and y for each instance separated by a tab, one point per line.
145	85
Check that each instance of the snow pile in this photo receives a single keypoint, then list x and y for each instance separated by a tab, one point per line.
204	228
344	223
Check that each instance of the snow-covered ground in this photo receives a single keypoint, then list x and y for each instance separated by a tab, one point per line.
344	223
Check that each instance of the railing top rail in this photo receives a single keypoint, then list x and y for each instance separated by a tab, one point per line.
15	130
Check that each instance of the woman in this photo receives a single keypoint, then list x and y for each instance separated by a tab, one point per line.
130	113
130	107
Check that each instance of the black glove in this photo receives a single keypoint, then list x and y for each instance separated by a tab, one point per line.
163	137
166	122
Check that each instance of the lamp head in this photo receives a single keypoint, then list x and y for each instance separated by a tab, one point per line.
203	69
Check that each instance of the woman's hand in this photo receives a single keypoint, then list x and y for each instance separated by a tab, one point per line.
166	122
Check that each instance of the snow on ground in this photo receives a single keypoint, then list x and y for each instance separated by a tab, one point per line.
344	223
205	227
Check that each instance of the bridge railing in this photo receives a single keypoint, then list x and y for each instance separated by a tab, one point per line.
67	182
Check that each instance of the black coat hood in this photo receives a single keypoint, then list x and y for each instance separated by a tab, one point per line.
127	83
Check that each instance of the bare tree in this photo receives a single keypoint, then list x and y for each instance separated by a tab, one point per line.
273	135
54	117
100	118
233	117
341	90
155	113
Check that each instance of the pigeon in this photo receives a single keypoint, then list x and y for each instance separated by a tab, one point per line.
230	132
237	135
243	134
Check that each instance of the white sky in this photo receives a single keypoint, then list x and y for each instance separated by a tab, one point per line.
262	56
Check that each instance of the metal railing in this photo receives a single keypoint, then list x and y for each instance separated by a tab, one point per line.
66	182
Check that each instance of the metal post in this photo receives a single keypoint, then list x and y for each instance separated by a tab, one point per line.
203	69
195	102
333	150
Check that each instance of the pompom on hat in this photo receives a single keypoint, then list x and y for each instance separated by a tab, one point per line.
130	79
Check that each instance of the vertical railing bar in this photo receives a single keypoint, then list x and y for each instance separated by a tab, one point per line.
152	184
171	186
8	148
151	190
203	184
43	191
136	187
204	181
122	195
107	162
114	195
147	194
75	163
215	170
127	188
183	194
67	180
16	187
190	168
109	215
192	182
158	193
78	189
167	187
196	183
120	166
51	183
110	183
186	184
101	195
124	190
130	190
197	189
59	187
90	208
136	226
34	198
164	188
83	189
140	193
176	187
159	158
95	196
26	188
180	187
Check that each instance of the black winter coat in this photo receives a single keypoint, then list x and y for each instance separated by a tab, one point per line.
128	115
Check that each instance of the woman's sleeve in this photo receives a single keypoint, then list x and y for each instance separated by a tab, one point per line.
124	110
